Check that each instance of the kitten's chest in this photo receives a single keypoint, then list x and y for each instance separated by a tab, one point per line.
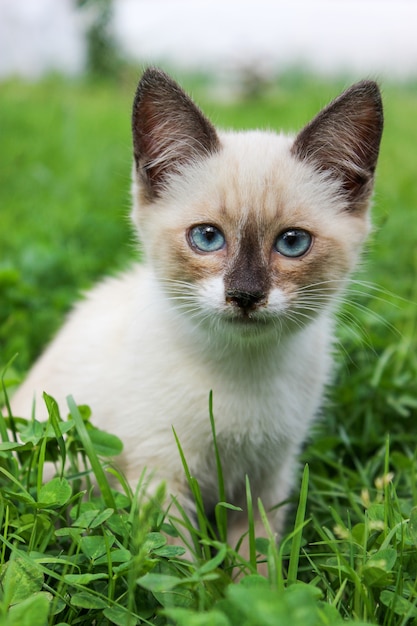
257	405
263	400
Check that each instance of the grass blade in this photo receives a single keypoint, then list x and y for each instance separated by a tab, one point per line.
91	453
298	529
220	512
251	524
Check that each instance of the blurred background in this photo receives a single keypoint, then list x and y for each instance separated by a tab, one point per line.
326	36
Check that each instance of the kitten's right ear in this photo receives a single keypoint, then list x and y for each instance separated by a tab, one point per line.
169	130
343	140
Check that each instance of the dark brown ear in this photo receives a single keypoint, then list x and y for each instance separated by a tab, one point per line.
168	129
344	140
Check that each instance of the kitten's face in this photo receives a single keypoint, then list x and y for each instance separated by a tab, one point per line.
252	231
251	238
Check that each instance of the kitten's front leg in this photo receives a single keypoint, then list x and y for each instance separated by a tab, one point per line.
180	512
273	491
238	531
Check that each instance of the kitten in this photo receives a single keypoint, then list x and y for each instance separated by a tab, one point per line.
248	240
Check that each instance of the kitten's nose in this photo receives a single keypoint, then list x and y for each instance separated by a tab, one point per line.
245	300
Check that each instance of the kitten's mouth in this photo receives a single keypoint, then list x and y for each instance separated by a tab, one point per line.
247	318
249	326
242	320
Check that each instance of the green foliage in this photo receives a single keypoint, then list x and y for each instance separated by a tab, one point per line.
75	548
64	182
65	553
81	547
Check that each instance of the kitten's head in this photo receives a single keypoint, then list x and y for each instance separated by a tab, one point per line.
252	231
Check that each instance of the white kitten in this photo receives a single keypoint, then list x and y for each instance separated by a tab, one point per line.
248	240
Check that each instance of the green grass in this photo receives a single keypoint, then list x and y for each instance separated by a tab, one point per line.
71	555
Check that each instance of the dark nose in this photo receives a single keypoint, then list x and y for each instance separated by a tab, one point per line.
245	300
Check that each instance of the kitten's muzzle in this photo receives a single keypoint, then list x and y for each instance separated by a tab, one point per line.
245	300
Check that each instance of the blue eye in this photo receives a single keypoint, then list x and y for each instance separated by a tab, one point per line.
206	238
293	243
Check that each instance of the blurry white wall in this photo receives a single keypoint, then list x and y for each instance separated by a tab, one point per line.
38	36
371	36
357	36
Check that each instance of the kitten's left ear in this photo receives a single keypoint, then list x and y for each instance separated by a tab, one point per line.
343	139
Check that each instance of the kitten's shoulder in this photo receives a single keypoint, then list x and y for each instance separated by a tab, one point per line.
94	333
116	290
